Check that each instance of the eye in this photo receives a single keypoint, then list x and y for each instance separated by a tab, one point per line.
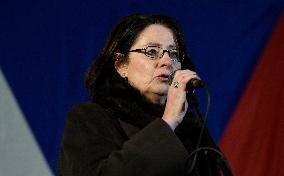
152	51
174	54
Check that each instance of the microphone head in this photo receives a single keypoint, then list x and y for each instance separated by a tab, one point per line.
171	77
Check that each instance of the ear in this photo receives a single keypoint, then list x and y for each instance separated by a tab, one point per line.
120	65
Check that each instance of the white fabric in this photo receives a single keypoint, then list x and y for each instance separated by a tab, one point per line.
19	151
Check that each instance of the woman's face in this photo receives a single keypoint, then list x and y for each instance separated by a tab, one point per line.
150	76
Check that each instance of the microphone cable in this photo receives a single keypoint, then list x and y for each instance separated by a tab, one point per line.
221	161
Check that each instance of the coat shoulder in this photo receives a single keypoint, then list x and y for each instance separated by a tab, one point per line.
88	112
92	118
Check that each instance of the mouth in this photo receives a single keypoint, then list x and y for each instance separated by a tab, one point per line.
163	77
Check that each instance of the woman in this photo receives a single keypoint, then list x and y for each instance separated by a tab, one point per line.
137	124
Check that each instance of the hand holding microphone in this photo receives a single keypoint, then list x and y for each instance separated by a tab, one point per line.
181	81
194	83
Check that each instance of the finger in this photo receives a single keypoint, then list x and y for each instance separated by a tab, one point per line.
180	74
182	77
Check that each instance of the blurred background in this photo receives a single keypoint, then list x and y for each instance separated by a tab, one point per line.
46	48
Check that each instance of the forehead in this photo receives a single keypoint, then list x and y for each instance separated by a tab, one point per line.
155	34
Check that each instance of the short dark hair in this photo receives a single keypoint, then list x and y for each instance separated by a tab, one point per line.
120	40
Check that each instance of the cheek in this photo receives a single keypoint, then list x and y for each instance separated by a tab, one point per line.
140	74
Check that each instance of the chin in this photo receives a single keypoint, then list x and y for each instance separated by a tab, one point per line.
158	99
163	90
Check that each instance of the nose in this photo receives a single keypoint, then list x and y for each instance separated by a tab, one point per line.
165	60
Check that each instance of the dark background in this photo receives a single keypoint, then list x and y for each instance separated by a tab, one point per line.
47	46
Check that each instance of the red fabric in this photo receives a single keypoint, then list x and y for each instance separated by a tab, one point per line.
254	139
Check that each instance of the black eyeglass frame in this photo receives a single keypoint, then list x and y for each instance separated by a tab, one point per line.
143	50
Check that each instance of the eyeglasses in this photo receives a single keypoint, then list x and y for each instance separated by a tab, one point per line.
155	52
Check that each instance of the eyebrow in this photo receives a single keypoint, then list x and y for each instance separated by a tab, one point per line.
159	45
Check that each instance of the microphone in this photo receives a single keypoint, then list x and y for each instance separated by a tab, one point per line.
194	83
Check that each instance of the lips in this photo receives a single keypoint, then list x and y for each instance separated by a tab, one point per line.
163	77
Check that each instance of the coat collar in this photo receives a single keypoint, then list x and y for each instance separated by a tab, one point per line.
129	105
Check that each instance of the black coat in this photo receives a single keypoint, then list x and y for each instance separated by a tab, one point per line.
123	135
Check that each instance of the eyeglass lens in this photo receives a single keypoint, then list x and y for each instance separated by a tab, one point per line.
157	52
